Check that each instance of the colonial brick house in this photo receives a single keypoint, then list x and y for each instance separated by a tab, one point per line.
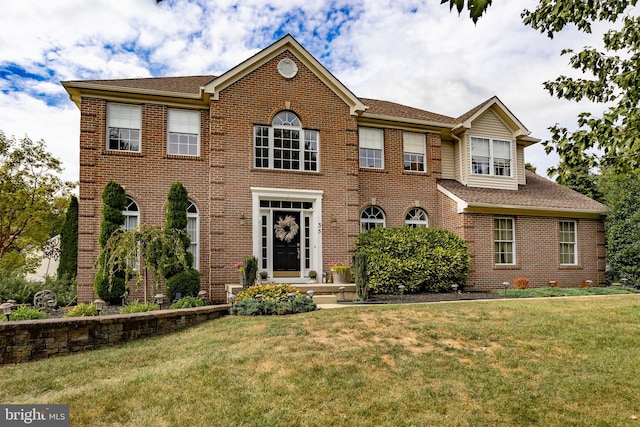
278	140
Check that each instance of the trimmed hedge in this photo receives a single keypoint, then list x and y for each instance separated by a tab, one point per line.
186	283
421	259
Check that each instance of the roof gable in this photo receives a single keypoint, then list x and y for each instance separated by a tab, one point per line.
287	43
496	106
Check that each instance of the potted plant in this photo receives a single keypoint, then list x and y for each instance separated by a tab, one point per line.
264	275
340	271
313	275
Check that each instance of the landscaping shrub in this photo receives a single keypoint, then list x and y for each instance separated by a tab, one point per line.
188	302
15	286
82	310
421	259
521	283
110	292
65	288
139	307
249	274
27	313
360	274
185	283
276	299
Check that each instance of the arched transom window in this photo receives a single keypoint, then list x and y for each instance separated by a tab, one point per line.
416	217
371	217
286	145
131	215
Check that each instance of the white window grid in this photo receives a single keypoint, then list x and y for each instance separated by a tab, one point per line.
504	241
491	157
123	127
372	217
416	217
568	243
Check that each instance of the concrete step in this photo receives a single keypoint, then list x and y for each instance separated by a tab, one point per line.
325	299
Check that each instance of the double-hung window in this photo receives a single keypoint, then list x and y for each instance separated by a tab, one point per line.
286	145
490	157
123	127
371	142
504	241
568	243
193	230
183	132
415	152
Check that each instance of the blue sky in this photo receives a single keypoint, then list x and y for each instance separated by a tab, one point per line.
417	53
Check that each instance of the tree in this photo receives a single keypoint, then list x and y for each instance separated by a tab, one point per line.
69	241
622	193
612	139
32	196
181	278
110	284
580	178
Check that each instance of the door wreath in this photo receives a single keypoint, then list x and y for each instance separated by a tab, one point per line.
286	228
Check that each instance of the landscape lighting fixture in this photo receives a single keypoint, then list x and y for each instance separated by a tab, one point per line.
310	293
341	289
99	303
232	298
506	286
159	299
6	309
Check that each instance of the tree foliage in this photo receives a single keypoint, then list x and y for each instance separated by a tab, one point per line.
611	139
622	193
69	241
32	198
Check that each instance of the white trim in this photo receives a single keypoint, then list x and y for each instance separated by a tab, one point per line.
513	240
575	243
297	195
461	204
492	158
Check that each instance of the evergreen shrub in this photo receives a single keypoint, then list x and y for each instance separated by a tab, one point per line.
185	283
421	259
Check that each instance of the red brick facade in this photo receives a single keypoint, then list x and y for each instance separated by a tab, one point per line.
232	195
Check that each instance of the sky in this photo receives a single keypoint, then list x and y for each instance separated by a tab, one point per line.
414	52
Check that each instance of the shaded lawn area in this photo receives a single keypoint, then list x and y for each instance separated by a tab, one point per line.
569	361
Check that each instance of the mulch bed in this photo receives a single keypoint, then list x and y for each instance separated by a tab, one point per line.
430	297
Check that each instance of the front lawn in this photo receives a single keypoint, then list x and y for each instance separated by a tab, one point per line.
557	361
564	292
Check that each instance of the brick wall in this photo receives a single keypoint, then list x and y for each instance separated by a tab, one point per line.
537	253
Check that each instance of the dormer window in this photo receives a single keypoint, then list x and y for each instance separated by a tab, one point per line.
286	145
490	157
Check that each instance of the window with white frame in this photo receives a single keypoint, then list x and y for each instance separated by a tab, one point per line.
371	217
371	143
568	243
183	132
504	241
131	215
490	157
416	217
124	122
415	149
193	230
286	145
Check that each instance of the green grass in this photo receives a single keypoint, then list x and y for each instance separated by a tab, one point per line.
562	361
564	292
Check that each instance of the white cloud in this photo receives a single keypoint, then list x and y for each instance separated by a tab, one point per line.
414	52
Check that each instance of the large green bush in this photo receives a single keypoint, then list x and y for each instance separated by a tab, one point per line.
186	283
110	291
421	259
14	285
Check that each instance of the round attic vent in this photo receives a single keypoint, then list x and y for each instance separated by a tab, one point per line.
287	68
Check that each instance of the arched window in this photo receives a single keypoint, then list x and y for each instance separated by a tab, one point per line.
371	217
193	229
416	217
286	145
131	215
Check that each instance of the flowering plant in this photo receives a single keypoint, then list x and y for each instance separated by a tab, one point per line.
336	263
239	266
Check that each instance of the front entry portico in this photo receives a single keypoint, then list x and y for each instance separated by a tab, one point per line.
287	232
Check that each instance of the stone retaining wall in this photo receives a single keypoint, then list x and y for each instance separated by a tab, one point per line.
38	339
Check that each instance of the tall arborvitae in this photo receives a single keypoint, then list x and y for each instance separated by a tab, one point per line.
186	282
114	200
68	265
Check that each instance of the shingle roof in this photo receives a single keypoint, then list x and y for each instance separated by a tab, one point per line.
538	193
391	109
187	85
